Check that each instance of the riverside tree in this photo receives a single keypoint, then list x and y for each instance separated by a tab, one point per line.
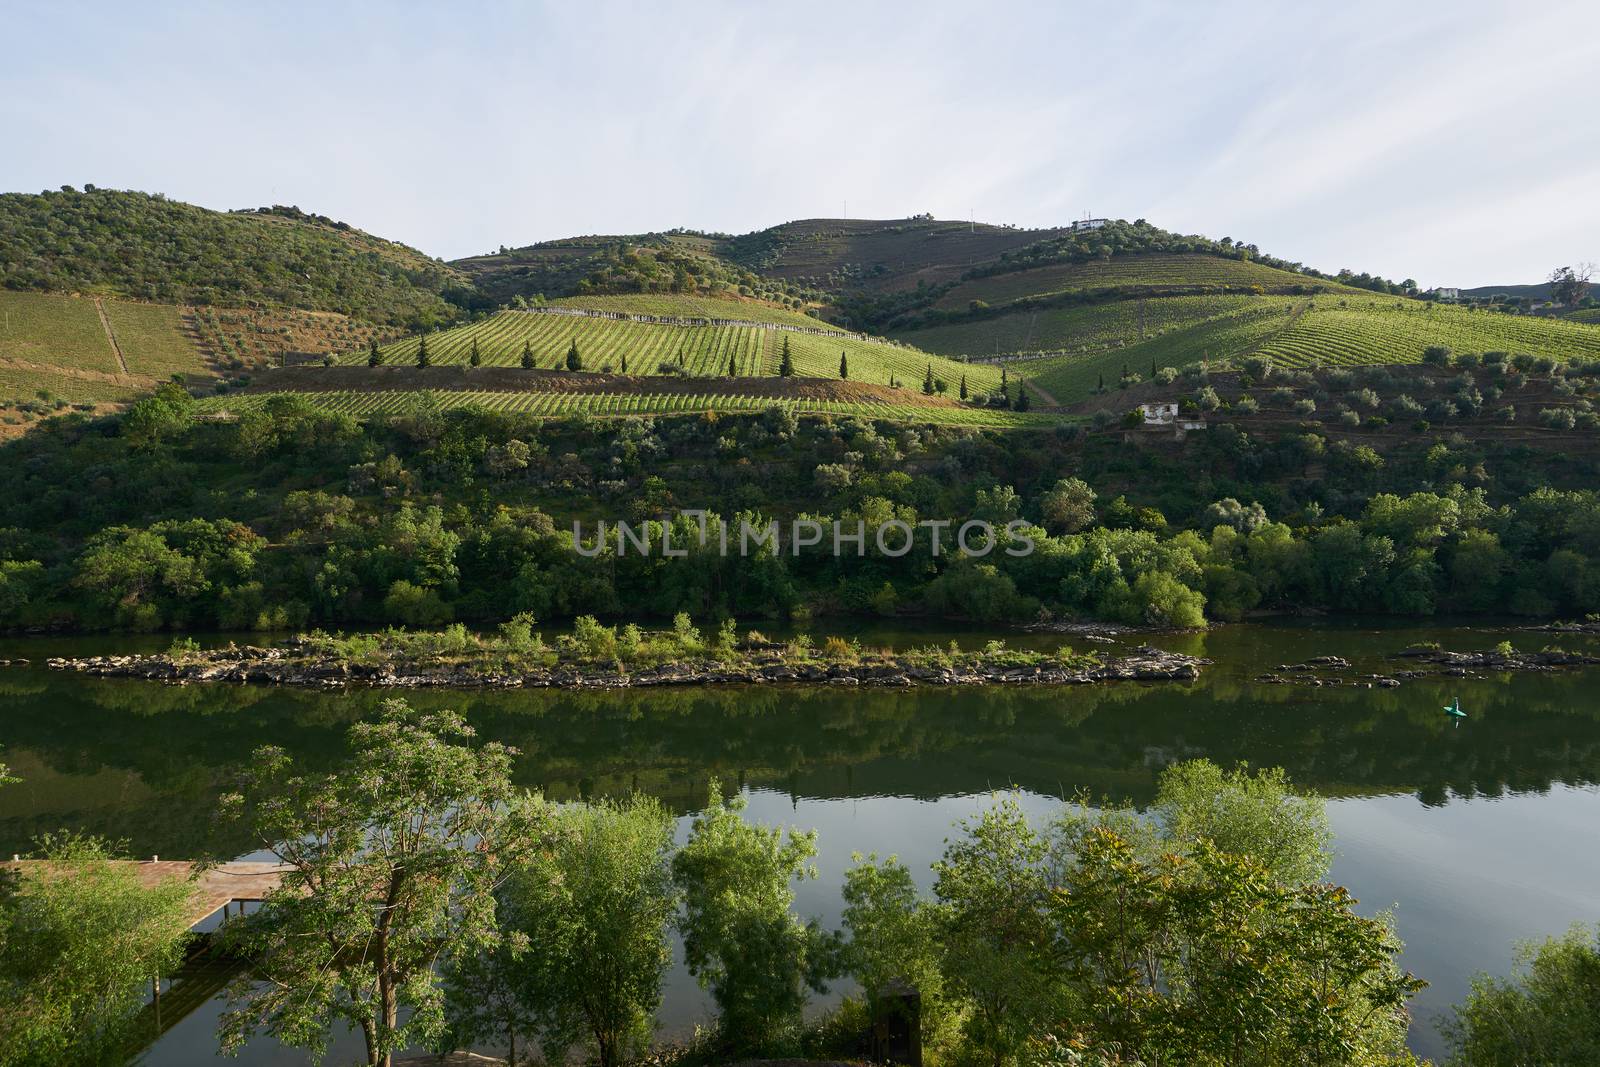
391	861
590	917
79	945
741	939
1548	1011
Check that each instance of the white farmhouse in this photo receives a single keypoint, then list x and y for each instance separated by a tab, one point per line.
1446	293
1161	416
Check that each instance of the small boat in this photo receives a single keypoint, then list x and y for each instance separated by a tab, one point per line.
1455	712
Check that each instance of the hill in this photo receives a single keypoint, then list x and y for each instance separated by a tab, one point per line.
147	247
744	336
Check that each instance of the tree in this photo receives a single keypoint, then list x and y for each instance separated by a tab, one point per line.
594	911
1022	398
993	938
963	386
392	861
624	363
733	366
79	945
574	361
1569	285
1257	815
785	360
374	354
1548	1011
892	936
927	380
423	359
740	938
474	358
1069	506
844	366
527	356
156	418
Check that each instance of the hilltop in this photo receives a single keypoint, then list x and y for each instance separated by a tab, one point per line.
146	247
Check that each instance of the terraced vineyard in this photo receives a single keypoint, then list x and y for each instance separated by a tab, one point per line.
1156	270
1073	378
1382	332
701	351
703	307
1091	327
565	403
152	339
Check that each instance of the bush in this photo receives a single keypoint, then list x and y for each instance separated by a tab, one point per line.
1305	406
1543	1013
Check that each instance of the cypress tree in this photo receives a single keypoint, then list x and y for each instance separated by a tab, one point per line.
963	387
475	359
733	367
1102	386
574	361
844	366
785	361
527	356
927	381
422	352
1022	399
374	356
624	363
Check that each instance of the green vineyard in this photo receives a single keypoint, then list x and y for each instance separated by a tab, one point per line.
694	307
561	404
1092	327
1155	270
1399	332
697	351
1073	378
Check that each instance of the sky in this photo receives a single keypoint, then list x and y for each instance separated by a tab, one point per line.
1453	143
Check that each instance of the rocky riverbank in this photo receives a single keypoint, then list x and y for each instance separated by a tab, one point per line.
294	666
1458	664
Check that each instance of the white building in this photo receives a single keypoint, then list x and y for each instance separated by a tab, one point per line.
1088	224
1159	415
1446	293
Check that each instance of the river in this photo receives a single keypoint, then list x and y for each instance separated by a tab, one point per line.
1476	835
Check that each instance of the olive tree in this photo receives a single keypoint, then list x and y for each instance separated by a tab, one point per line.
390	862
80	942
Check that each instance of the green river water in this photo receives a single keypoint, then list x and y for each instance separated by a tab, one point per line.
1476	835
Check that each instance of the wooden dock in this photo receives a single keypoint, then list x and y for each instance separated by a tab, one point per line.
216	888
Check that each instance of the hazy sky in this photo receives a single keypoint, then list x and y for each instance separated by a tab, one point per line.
1456	143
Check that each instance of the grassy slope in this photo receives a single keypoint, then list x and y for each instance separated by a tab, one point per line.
1389	331
704	307
1154	270
57	343
1073	378
1088	327
706	351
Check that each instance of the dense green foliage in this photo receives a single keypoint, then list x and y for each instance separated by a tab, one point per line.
79	945
1547	1012
292	516
389	863
157	249
1199	934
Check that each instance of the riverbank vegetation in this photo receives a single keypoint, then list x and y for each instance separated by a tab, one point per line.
557	939
292	517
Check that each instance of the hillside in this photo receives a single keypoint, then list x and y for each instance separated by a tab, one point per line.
57	351
364	392
147	247
752	349
1293	332
875	254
